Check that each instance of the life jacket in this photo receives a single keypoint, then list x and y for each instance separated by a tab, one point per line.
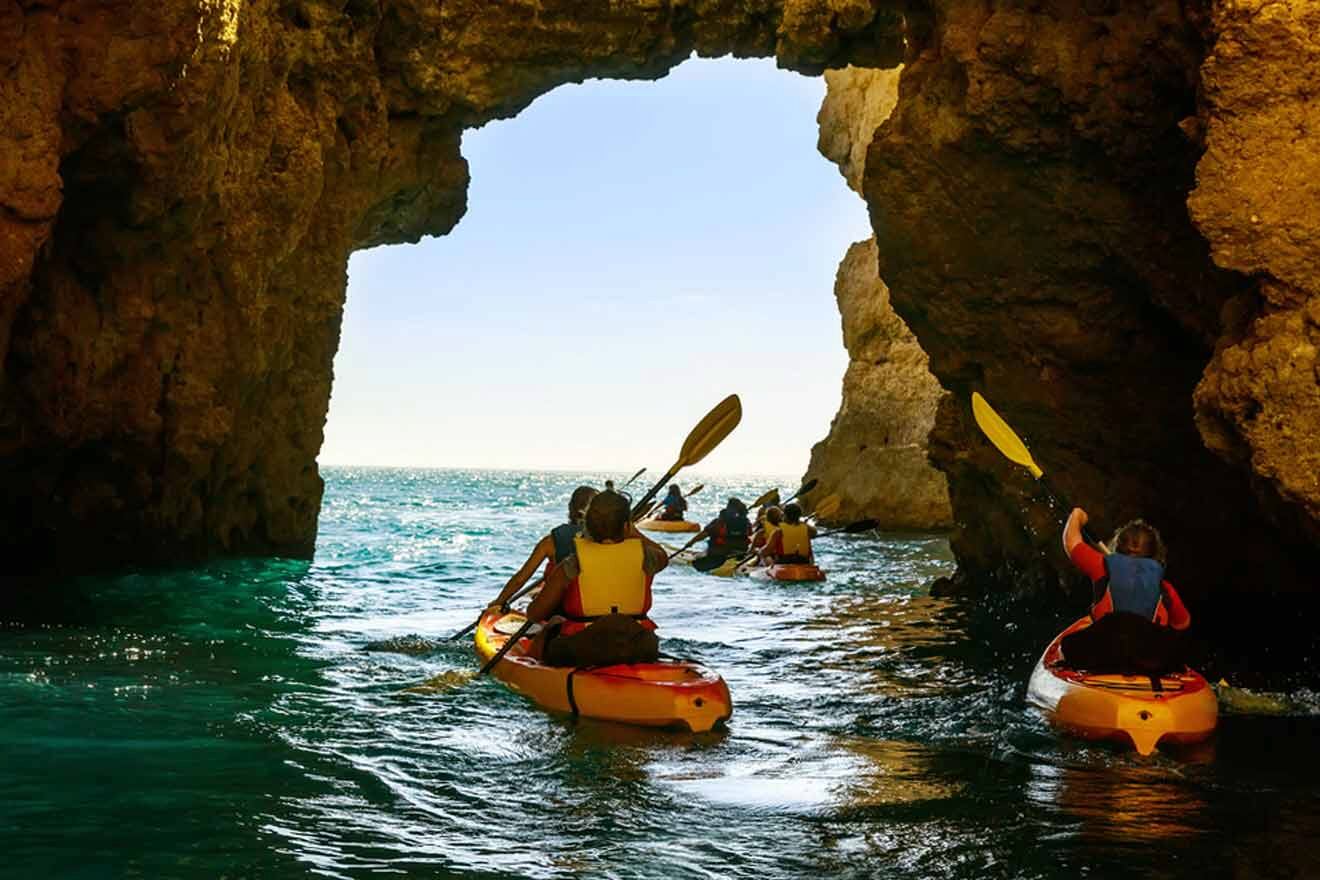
1132	585
611	580
796	538
730	535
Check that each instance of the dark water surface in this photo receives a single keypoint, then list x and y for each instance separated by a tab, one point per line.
228	721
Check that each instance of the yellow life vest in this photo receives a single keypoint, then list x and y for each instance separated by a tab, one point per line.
611	578
797	542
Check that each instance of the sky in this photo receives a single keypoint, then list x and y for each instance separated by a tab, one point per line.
632	252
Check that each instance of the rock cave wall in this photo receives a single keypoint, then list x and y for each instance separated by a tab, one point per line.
874	457
180	188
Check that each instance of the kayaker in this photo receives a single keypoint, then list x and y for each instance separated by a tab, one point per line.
554	547
673	506
595	601
791	542
772	518
1134	608
728	534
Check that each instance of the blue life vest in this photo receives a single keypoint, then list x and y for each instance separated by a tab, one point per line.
1134	584
563	537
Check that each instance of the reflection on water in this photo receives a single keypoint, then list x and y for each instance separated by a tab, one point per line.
271	719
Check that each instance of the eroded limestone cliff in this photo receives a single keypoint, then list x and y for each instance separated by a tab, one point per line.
875	455
181	184
875	458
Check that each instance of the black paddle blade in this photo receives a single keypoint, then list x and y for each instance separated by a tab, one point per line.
865	525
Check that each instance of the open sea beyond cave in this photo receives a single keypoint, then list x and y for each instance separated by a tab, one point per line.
255	719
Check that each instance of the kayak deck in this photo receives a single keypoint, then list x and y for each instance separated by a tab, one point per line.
673	694
668	525
1123	708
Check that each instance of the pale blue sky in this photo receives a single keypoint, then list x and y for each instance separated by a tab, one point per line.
632	252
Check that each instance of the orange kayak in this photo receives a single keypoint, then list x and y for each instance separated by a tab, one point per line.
1123	708
796	572
668	525
676	694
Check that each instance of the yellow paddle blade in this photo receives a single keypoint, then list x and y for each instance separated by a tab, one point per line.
725	569
768	498
829	505
710	431
1002	436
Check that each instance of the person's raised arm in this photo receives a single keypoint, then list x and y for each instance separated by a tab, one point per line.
543	550
1072	530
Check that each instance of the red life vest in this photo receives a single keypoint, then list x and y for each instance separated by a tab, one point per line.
611	580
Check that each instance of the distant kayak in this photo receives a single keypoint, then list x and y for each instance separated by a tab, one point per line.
1124	708
675	694
796	572
668	525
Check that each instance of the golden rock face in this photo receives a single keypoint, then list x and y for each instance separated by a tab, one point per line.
181	184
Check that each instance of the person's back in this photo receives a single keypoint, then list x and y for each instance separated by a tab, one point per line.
1136	612
673	506
602	593
791	541
771	519
729	533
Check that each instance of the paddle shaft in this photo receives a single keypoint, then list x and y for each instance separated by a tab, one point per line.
1060	500
513	640
634	477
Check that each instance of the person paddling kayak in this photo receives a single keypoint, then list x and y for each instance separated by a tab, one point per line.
672	507
728	534
1136	611
791	542
595	602
552	549
772	518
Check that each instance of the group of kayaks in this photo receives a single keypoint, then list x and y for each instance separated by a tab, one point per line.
793	572
1141	711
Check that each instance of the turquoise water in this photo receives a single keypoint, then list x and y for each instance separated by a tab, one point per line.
253	719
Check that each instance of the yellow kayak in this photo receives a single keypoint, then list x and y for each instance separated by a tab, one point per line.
668	525
675	694
1124	708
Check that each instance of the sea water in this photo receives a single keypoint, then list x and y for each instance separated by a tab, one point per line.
275	718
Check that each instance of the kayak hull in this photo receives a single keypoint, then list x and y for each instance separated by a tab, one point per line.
798	572
1122	708
679	694
668	525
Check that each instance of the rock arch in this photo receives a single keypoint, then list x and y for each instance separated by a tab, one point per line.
180	188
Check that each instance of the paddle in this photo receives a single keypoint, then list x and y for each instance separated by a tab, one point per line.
862	525
1006	440
717	424
634	477
709	433
802	490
